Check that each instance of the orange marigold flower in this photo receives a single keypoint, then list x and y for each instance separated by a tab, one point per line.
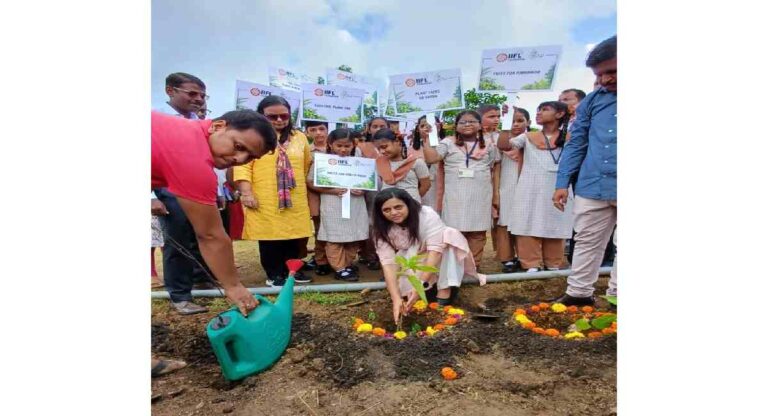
587	309
608	331
573	309
614	325
519	311
439	327
544	305
434	305
552	332
595	334
449	373
451	321
535	308
538	330
529	325
379	332
447	308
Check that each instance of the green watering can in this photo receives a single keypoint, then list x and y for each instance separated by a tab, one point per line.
250	345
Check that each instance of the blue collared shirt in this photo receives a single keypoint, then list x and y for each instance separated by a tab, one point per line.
591	151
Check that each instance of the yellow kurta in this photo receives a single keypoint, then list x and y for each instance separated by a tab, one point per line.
266	222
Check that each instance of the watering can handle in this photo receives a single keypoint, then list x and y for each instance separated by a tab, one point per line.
262	300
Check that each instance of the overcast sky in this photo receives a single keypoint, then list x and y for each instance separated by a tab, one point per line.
226	40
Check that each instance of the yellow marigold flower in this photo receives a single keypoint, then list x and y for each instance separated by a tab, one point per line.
574	335
430	331
522	319
420	305
559	308
365	328
456	311
400	334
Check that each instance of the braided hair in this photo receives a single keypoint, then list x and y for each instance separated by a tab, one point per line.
480	138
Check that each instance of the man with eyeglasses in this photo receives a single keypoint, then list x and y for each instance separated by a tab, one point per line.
186	98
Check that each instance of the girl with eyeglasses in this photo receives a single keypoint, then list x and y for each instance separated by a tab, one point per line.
468	159
274	195
540	229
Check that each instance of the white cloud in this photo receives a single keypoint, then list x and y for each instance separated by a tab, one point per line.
240	39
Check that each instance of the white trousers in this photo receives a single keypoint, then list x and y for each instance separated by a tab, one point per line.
593	222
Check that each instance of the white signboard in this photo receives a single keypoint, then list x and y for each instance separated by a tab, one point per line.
283	78
249	95
332	103
333	171
427	91
348	79
519	69
389	109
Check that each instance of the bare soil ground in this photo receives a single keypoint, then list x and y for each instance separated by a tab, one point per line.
329	369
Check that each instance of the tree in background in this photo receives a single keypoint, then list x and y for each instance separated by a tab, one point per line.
345	68
321	80
472	100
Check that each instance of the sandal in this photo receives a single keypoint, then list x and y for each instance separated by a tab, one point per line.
167	366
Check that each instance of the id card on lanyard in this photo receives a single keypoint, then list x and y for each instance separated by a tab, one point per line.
467	172
556	161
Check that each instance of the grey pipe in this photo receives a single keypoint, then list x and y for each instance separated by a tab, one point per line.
356	287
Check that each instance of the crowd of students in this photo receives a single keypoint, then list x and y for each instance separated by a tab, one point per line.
441	200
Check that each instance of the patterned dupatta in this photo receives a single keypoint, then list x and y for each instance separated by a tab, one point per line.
285	178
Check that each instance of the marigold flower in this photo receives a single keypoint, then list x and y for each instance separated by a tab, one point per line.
455	311
535	308
538	330
574	334
595	334
522	319
430	331
608	331
451	321
434	305
449	373
364	328
379	332
614	325
587	309
447	308
400	334
529	325
439	327
552	332
420	305
519	311
573	309
544	305
559	308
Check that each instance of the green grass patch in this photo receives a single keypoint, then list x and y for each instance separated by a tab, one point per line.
329	299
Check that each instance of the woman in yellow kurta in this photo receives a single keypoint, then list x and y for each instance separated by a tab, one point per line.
274	195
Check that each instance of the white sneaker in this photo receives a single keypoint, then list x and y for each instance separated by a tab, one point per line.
533	270
188	308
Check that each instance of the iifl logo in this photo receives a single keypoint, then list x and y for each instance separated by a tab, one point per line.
328	93
410	82
506	56
257	92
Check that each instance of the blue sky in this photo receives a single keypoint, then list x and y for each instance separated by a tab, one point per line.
238	39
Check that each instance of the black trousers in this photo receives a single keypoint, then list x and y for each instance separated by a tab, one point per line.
274	253
180	273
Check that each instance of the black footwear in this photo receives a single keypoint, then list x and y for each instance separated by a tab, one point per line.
569	300
374	265
300	277
309	265
346	275
510	266
323	269
354	268
276	281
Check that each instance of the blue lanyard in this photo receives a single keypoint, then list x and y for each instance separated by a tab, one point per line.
470	152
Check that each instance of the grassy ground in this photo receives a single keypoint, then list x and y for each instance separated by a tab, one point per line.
252	274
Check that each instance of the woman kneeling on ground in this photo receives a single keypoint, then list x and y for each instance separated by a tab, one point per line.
403	227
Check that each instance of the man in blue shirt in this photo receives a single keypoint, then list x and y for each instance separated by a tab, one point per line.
591	154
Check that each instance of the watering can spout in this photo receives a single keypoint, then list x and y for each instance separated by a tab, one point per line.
284	300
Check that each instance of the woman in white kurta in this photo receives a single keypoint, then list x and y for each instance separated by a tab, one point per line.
540	228
403	227
468	159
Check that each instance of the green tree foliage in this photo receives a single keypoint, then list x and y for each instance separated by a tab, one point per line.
310	113
321	80
473	100
345	68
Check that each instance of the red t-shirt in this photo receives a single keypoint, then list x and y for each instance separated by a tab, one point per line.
181	158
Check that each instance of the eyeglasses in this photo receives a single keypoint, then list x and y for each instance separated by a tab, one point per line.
467	123
193	94
276	117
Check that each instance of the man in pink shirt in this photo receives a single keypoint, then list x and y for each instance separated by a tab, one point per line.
184	153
